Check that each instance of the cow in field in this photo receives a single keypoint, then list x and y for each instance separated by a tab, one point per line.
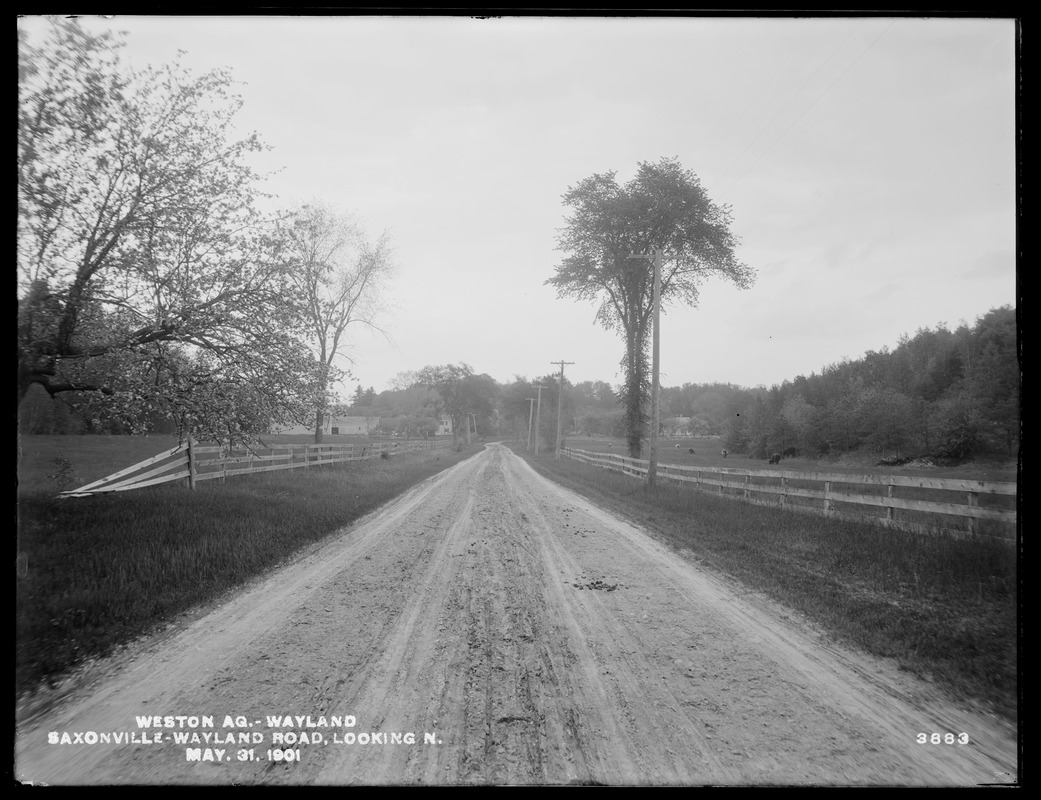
677	447
775	458
725	453
691	451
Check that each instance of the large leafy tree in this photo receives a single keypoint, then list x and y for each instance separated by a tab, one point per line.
340	279
610	226
461	392
147	278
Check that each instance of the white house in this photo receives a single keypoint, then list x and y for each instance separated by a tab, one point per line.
357	426
339	426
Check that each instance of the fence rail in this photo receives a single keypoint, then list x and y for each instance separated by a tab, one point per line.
191	462
926	505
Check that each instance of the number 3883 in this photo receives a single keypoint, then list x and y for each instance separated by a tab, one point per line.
942	738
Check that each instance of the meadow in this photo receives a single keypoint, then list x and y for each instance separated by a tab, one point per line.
97	572
944	608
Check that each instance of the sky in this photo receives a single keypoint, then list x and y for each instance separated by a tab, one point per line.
869	164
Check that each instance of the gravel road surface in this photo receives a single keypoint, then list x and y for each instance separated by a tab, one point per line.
490	627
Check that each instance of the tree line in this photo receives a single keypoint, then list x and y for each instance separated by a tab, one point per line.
949	394
943	393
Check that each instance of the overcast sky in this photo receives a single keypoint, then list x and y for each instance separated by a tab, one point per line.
869	164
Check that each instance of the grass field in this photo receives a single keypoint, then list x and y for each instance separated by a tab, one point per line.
94	572
944	608
707	453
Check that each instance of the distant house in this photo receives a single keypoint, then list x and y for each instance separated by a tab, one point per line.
358	426
340	426
354	426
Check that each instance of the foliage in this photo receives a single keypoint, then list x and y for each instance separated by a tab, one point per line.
415	411
340	278
547	429
516	407
944	394
460	393
610	234
149	285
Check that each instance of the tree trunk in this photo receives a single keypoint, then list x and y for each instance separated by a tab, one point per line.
636	371
319	423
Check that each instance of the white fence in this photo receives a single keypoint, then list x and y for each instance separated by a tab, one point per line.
917	504
192	462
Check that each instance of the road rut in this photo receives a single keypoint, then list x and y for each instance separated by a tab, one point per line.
521	636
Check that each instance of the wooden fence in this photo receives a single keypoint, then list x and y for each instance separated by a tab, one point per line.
193	463
915	504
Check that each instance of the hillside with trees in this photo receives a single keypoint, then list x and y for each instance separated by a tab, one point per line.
940	393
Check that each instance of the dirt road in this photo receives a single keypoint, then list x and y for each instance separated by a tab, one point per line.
490	627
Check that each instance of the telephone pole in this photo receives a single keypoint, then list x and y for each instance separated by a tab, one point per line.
560	403
531	413
538	412
652	467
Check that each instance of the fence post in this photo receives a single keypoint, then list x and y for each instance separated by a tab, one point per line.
890	511
827	498
784	491
191	464
973	522
747	479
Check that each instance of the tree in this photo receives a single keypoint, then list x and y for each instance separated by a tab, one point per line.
663	207
515	406
340	279
957	426
993	376
417	407
547	419
140	248
461	393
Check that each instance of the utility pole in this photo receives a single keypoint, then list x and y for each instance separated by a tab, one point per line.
531	413
538	412
560	403
652	467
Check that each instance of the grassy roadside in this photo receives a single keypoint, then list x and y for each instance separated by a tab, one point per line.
944	608
95	572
